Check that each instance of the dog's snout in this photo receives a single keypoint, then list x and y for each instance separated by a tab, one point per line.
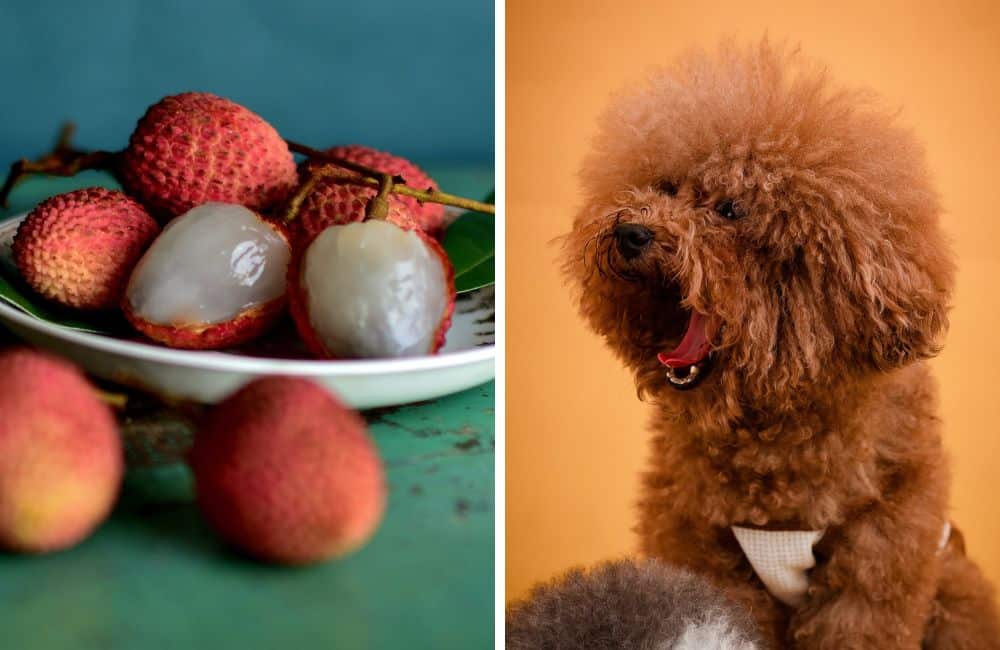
632	239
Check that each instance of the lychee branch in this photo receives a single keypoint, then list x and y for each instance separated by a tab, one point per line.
63	160
377	208
316	154
372	178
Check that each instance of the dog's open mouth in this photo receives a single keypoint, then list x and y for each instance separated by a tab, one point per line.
690	361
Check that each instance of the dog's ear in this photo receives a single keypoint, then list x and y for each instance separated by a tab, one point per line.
909	294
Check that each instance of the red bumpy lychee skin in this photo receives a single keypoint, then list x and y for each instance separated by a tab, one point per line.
246	327
61	458
288	474
193	148
428	216
79	248
335	201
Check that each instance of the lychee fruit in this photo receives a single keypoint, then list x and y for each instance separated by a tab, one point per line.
196	147
428	216
214	278
61	458
372	289
288	474
336	200
79	248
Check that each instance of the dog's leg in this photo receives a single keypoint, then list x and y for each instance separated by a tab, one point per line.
964	615
877	583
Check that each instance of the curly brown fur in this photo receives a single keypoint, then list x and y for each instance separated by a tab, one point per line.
830	290
628	605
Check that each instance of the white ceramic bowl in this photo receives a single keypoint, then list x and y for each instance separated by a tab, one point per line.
466	360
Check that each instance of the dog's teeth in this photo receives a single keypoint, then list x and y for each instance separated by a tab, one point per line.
686	379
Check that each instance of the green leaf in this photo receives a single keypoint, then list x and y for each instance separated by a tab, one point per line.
470	244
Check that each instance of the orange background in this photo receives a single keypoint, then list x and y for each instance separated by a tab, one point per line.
576	437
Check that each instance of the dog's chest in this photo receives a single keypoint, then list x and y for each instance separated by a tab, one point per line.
800	480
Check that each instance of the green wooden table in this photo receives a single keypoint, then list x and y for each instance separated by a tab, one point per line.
154	576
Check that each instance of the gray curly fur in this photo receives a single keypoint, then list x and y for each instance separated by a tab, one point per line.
629	605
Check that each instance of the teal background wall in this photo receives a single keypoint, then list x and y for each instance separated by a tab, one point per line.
415	78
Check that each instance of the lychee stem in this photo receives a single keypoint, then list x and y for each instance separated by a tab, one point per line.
63	160
378	207
295	203
114	400
371	178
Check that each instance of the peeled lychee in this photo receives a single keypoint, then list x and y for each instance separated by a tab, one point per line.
60	454
372	289
428	216
194	148
215	278
79	248
288	474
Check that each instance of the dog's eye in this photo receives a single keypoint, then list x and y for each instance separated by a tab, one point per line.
729	209
666	187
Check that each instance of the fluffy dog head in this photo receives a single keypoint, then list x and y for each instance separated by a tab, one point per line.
764	233
629	604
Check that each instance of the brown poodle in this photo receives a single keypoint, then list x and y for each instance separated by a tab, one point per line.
763	250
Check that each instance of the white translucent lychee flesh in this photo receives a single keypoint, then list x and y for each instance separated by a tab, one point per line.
208	266
374	290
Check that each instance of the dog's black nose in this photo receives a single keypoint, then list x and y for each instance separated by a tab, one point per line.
632	239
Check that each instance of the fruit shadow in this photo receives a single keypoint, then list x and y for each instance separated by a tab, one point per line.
174	525
178	529
177	524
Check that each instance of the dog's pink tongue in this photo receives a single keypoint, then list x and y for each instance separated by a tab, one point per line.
693	349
